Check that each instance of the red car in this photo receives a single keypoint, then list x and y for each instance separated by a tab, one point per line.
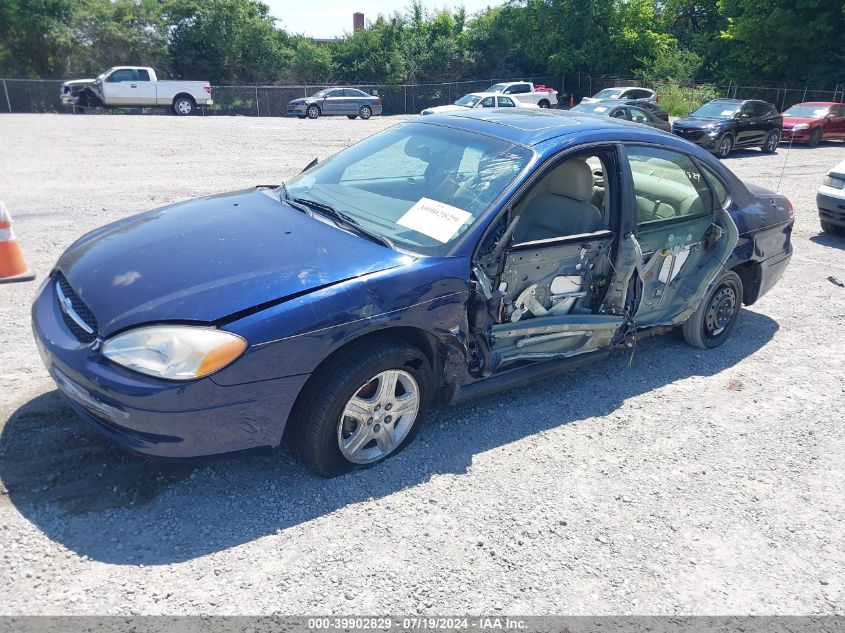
813	122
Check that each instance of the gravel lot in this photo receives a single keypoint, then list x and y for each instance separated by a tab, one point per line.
679	482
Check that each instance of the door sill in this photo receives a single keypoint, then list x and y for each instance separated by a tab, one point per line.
519	376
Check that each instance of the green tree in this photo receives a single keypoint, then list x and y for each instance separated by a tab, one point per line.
225	40
35	37
115	32
785	40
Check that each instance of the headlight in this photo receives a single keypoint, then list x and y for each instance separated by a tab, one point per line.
800	126
833	181
174	352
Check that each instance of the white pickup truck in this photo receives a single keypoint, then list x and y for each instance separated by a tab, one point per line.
527	92
135	87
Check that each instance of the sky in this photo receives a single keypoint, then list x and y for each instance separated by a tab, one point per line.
330	18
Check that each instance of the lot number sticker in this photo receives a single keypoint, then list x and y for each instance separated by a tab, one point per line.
435	219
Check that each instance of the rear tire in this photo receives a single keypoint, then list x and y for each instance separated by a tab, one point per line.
833	229
712	322
770	145
365	112
543	103
357	384
183	106
815	138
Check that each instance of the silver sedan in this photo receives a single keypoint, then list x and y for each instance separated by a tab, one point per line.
351	102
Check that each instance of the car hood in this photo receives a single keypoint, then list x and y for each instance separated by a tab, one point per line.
789	121
206	259
79	82
695	123
446	108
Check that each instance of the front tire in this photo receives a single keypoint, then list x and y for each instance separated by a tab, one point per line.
313	112
365	112
815	138
351	117
770	145
363	407
711	324
725	146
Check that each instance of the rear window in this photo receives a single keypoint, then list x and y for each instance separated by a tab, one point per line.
143	75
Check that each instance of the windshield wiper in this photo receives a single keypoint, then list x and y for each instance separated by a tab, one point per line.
346	220
285	197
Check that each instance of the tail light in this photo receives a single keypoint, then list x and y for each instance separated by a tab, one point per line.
207	89
791	212
378	101
657	96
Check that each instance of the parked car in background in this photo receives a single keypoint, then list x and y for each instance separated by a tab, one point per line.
480	100
351	102
651	106
725	124
135	86
527	92
624	111
445	258
813	122
635	93
830	200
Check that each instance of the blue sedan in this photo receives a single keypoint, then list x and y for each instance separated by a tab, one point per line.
441	259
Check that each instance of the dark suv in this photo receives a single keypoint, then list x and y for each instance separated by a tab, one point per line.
723	124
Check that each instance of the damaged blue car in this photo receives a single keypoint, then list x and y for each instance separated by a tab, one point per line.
441	259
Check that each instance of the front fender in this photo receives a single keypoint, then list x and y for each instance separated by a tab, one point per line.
294	337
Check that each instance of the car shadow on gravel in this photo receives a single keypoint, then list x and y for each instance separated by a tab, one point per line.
828	239
113	507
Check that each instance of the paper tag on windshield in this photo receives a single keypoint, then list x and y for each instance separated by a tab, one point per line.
435	219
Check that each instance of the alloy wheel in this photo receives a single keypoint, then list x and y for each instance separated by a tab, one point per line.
725	146
378	416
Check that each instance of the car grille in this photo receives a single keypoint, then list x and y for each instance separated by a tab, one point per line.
692	135
83	312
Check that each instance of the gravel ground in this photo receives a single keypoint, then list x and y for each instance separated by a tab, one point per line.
676	482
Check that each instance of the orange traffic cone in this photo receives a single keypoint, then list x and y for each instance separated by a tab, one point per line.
571	100
12	264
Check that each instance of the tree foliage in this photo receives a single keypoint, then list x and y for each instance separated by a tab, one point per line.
238	41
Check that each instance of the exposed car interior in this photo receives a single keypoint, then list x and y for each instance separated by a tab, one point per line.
569	200
557	256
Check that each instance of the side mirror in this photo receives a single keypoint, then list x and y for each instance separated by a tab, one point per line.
689	113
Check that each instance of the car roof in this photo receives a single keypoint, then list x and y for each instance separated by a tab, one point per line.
726	100
626	88
818	103
529	127
487	94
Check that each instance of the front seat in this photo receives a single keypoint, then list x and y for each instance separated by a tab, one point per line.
563	208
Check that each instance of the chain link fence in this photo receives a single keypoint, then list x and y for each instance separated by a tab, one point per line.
29	95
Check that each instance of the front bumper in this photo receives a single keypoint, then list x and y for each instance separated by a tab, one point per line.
799	136
831	204
703	138
159	417
298	109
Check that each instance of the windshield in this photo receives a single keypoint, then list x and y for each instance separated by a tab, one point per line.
497	87
322	93
808	111
421	186
468	100
608	93
717	110
594	108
